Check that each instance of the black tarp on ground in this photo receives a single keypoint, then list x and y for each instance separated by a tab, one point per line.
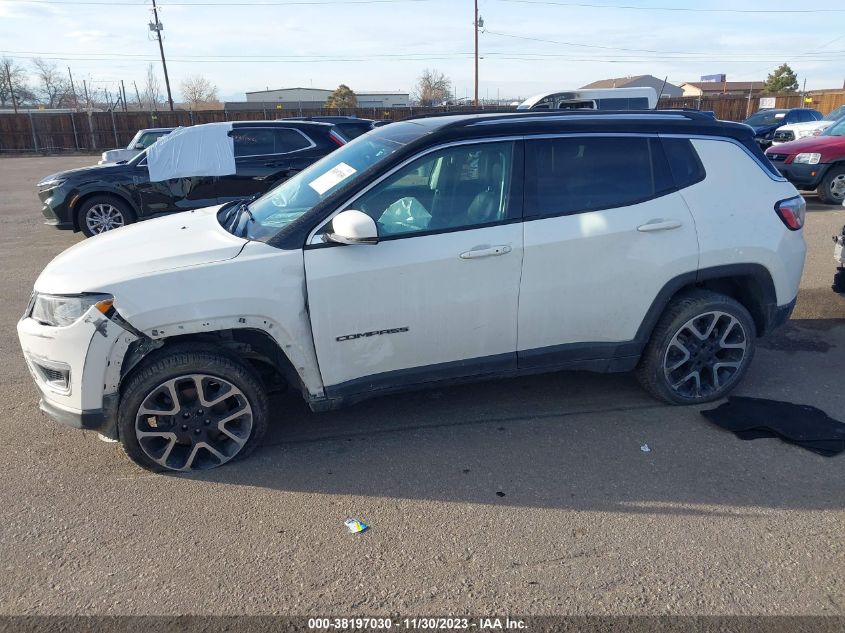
753	418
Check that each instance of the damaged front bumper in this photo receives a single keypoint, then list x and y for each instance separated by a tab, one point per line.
77	369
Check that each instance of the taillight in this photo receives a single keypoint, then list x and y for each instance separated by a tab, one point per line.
338	140
792	212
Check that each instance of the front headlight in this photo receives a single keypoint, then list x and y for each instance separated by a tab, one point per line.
59	311
804	133
49	185
808	159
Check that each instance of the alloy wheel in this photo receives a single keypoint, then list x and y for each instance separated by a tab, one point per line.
104	217
837	187
705	355
193	422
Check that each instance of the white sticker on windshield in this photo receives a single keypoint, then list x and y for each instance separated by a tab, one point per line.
328	180
780	115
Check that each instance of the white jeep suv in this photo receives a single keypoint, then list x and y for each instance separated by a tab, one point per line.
431	250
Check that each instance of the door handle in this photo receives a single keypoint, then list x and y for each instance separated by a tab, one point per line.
659	225
490	251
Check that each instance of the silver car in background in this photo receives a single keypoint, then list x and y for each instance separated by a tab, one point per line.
141	141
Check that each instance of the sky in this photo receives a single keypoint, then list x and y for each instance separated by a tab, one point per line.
526	46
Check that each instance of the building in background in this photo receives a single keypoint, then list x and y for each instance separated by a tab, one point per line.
383	99
313	98
670	91
724	87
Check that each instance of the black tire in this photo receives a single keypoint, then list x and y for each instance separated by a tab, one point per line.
96	207
190	367
832	188
718	359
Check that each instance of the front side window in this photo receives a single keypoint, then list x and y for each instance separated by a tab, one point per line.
456	187
577	174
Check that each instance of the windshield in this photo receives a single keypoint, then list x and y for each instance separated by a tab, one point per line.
836	114
837	129
293	198
765	118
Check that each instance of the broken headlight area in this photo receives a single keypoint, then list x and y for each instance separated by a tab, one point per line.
64	310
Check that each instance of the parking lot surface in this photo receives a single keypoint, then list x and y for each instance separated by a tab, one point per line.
525	496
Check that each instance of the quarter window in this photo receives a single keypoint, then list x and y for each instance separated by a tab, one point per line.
457	187
683	161
577	174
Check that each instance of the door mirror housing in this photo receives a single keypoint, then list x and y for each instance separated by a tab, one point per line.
139	146
352	227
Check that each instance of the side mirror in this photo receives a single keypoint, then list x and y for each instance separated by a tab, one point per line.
139	146
352	227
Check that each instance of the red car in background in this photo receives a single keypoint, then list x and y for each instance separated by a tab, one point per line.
815	163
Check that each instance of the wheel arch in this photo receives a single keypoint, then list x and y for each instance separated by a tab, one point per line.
252	346
749	284
85	196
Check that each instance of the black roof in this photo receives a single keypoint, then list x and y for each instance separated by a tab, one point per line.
282	123
687	122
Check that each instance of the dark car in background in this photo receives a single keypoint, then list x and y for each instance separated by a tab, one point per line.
765	122
104	197
350	126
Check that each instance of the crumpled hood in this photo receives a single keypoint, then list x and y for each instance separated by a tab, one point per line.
807	125
760	130
190	238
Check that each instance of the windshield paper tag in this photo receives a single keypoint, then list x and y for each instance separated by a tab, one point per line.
328	180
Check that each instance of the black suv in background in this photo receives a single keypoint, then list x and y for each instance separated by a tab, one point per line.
104	197
350	126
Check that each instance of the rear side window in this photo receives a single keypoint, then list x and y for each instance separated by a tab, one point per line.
288	140
572	175
266	141
683	161
253	141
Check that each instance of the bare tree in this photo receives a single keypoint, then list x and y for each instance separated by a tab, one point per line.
433	88
151	94
10	69
52	87
198	92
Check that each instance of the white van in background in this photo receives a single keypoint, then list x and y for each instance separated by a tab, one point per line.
596	99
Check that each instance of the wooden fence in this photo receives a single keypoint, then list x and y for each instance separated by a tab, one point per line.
46	132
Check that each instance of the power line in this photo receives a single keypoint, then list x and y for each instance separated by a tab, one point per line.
281	3
676	9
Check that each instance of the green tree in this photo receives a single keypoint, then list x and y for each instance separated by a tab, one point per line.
781	79
342	97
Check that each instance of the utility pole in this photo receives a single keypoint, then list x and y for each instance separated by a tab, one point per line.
73	90
11	88
138	95
123	90
157	28
475	26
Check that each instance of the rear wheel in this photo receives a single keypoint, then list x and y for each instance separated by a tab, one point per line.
104	213
832	188
699	350
191	409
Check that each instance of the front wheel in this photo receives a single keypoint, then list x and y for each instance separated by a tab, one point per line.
191	409
104	213
832	188
699	350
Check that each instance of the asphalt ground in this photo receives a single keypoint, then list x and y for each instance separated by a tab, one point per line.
525	496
